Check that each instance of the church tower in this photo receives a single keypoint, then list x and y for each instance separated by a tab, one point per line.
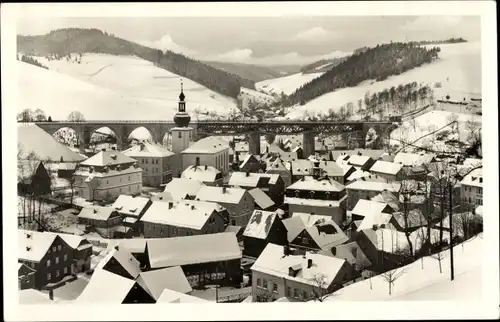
181	134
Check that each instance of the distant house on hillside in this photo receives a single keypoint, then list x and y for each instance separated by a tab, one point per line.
263	227
155	161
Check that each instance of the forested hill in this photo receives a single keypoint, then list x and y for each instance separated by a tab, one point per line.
375	63
76	40
322	65
255	73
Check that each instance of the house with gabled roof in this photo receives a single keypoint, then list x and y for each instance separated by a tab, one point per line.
271	184
203	173
82	251
33	178
238	202
275	165
388	170
106	175
183	218
414	159
172	278
262	200
210	151
351	252
372	213
47	254
155	161
250	163
198	255
121	262
310	232
109	288
363	189
279	273
131	209
104	220
263	227
322	196
182	188
25	276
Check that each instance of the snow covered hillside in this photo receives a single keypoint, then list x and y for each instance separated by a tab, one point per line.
422	280
287	84
257	96
106	86
458	69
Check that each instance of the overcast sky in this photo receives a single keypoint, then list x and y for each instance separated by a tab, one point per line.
267	40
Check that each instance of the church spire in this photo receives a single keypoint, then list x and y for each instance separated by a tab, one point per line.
182	96
181	118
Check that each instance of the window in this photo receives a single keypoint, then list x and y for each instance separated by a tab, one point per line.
180	135
146	161
128	178
288	291
233	222
296	293
107	181
54	249
65	270
470	200
57	273
264	283
65	257
49	277
129	188
48	263
57	260
59	247
275	288
304	295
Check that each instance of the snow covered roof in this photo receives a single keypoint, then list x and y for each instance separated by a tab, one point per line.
130	205
183	213
327	234
221	195
273	262
386	167
474	178
370	208
311	184
125	258
147	149
374	154
358	160
250	179
388	198
196	249
322	236
155	281
97	213
410	159
132	245
208	145
170	296
313	202
106	287
204	173
261	198
351	252
479	210
107	158
472	162
163	196
67	166
374	186
73	241
358	174
33	245
31	138
180	187
260	224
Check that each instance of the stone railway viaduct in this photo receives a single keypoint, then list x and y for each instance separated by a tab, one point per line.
253	129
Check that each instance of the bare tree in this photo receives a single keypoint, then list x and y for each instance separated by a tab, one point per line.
368	274
320	287
25	116
392	276
262	296
76	116
406	193
439	255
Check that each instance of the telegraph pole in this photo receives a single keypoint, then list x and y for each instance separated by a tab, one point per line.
452	271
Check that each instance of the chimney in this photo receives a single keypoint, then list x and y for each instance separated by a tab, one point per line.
117	247
170	205
95	211
51	295
247	174
28	235
206	167
291	272
481	180
192	207
286	250
309	263
334	251
223	189
160	198
197	162
113	148
103	150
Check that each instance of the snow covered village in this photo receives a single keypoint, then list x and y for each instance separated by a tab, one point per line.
154	166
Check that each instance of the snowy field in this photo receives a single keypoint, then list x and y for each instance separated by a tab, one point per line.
287	84
257	96
105	86
422	280
458	69
431	121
